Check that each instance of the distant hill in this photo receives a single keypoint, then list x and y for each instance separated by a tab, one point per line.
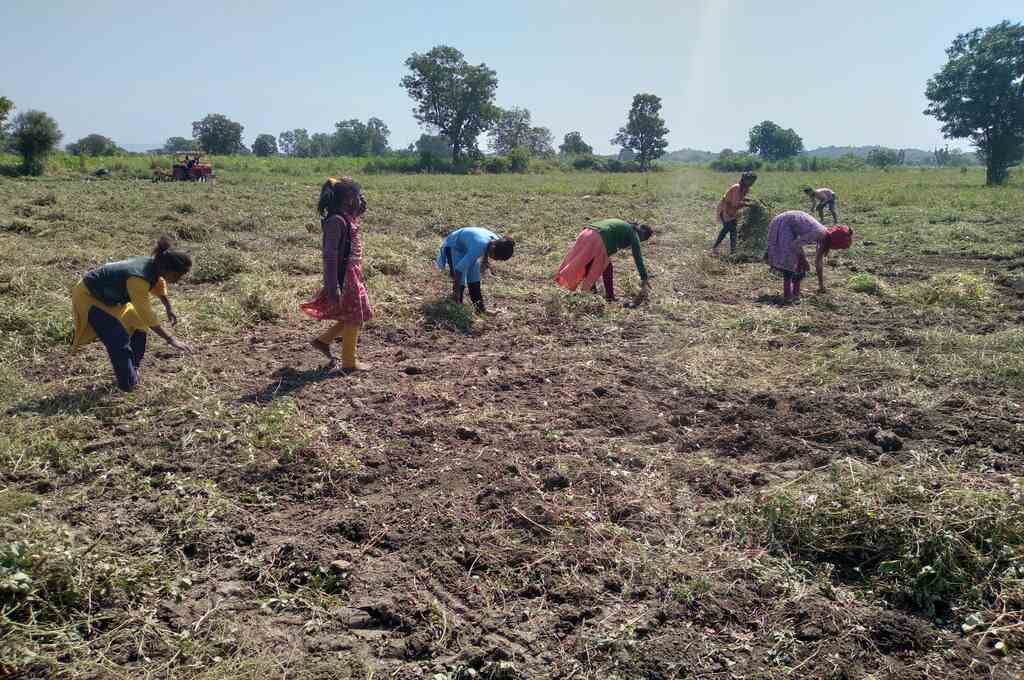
690	156
913	156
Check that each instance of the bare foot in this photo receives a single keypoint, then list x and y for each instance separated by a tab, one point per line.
323	349
358	368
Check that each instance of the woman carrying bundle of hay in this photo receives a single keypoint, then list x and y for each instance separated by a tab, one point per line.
788	234
590	256
729	209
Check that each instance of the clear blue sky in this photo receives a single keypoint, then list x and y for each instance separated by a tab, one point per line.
838	72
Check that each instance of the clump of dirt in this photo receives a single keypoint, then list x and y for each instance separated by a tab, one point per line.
895	632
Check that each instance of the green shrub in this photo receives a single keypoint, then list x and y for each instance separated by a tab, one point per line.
257	304
217	264
498	165
408	164
921	537
736	162
519	160
448	314
386	265
956	289
866	283
53	585
246	222
588	163
395	164
574	308
193	232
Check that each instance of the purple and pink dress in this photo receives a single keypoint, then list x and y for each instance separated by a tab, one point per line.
353	306
788	233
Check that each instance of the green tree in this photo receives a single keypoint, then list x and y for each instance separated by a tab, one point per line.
351	138
772	143
264	145
6	106
573	145
35	135
286	142
541	142
218	134
321	145
645	132
979	95
437	146
177	144
93	145
882	158
511	130
377	134
294	143
452	96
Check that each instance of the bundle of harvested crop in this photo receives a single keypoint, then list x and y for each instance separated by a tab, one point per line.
752	231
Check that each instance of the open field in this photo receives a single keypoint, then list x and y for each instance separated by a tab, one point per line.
711	485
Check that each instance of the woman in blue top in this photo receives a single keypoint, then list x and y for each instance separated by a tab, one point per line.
466	253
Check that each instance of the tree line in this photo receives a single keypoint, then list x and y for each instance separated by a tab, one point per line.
977	95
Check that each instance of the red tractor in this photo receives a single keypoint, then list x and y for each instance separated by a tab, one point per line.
187	168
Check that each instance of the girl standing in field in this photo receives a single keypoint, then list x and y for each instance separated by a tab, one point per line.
467	253
820	199
590	256
343	298
111	304
729	208
788	234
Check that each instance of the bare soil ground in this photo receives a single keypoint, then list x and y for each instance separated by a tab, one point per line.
566	490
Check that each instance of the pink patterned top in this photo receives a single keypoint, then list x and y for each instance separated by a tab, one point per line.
353	304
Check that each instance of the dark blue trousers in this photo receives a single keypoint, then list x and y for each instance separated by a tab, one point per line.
730	229
125	351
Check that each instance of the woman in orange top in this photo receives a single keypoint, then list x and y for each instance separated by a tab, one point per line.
729	208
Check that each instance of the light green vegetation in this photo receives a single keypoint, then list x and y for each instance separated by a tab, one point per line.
125	519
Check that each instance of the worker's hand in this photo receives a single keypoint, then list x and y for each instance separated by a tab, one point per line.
180	346
803	265
821	288
172	318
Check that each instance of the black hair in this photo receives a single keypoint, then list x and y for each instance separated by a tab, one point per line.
643	230
168	259
341	197
503	248
808	190
748	177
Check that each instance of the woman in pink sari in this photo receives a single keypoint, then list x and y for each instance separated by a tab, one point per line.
343	298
